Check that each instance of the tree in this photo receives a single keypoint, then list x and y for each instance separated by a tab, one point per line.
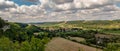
26	46
16	33
2	22
6	44
35	44
17	46
112	47
41	35
32	29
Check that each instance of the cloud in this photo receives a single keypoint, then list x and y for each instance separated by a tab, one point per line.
5	4
62	1
110	8
61	5
117	0
89	3
32	0
55	5
54	10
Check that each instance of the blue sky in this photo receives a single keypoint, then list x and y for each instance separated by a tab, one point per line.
118	4
22	2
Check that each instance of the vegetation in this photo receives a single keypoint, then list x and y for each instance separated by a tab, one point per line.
100	25
20	37
107	31
112	47
29	37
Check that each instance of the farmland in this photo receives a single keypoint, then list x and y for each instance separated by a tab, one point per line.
61	44
108	31
104	26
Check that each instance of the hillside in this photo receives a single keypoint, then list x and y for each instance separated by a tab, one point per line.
104	26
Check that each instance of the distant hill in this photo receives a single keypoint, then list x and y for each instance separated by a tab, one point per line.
105	26
84	24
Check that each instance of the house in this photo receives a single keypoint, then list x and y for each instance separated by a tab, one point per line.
100	38
6	27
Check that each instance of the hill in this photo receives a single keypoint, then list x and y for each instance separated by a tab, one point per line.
104	26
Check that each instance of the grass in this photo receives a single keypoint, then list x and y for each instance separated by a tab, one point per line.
115	32
85	24
78	39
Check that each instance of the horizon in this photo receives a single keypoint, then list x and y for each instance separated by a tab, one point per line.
64	21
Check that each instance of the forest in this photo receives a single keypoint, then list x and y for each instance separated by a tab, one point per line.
20	37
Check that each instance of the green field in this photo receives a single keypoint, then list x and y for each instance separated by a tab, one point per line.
104	26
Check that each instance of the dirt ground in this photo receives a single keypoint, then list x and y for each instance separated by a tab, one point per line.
61	44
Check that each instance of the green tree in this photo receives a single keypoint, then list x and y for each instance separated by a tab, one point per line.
31	29
112	47
26	46
17	46
34	45
41	35
2	22
6	44
16	33
37	44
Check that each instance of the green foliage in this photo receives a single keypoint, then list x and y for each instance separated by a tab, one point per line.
2	22
16	33
37	44
41	35
32	28
20	38
34	45
17	46
26	46
111	31
81	33
112	47
6	44
91	25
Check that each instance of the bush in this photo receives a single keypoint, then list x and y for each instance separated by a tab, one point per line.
112	47
6	44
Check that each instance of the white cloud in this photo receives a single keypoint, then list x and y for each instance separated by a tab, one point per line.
75	4
5	4
62	1
90	3
54	10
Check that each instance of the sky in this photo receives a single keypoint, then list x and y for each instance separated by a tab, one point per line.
59	10
22	2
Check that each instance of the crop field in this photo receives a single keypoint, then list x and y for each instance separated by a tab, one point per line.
61	44
78	39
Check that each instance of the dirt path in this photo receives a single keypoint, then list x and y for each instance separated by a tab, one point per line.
61	44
